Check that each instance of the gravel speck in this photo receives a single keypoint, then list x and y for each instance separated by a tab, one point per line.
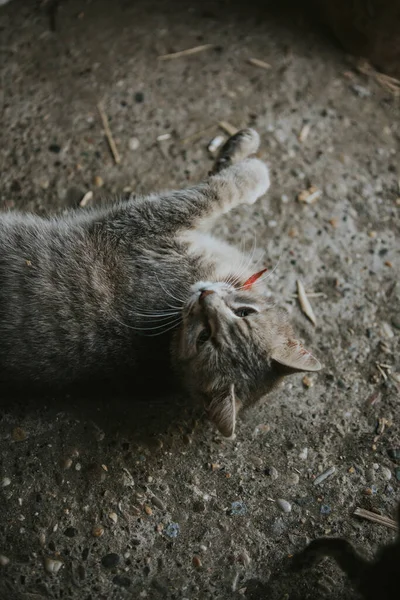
284	505
272	472
196	562
386	473
238	508
4	560
158	503
325	509
5	482
324	475
109	561
51	565
172	530
97	531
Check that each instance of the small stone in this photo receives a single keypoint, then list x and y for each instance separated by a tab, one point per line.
113	517
196	562
360	90
238	508
67	463
303	454
122	581
18	434
98	181
325	509
5	482
172	530
158	503
97	531
386	473
272	472
134	143
387	330
372	234
394	453
4	560
148	510
244	558
293	479
284	505
308	382
109	561
51	565
78	467
70	532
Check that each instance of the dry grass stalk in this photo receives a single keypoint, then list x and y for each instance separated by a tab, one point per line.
86	199
107	131
256	62
305	303
197	134
227	127
386	81
370	516
187	52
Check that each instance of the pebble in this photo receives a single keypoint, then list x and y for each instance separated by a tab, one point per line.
5	482
134	143
284	505
215	143
51	565
360	90
394	453
122	581
172	530
148	510
113	516
387	330
308	382
158	503
109	561
238	508
325	509
244	558
303	454
324	475
98	181
272	472
4	560
293	479
67	463
196	562
78	467
387	474
97	531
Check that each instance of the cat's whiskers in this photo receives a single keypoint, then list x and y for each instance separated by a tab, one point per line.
179	300
173	322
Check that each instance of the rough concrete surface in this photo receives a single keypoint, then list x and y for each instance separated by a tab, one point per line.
190	515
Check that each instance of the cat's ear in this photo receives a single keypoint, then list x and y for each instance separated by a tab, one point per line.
222	412
294	357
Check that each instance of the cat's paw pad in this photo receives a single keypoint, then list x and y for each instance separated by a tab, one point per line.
239	146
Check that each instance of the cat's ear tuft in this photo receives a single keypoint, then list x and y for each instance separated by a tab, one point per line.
222	412
294	357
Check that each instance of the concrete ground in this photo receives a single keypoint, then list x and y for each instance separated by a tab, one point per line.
132	499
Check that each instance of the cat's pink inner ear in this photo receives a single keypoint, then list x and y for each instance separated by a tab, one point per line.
293	355
222	412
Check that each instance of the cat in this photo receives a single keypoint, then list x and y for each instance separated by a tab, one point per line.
118	289
376	579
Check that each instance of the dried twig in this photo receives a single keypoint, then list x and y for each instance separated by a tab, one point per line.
256	62
312	295
305	303
370	516
187	52
227	127
107	131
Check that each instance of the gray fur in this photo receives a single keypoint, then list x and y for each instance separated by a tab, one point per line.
88	294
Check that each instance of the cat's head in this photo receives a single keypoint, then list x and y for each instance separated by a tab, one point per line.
234	346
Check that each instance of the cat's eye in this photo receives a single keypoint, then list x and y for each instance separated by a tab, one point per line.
244	311
203	336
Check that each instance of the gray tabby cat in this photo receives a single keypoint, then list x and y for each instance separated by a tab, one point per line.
107	291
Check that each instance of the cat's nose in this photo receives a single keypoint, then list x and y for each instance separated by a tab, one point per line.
205	293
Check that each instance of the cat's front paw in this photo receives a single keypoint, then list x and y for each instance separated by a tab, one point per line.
255	177
238	147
